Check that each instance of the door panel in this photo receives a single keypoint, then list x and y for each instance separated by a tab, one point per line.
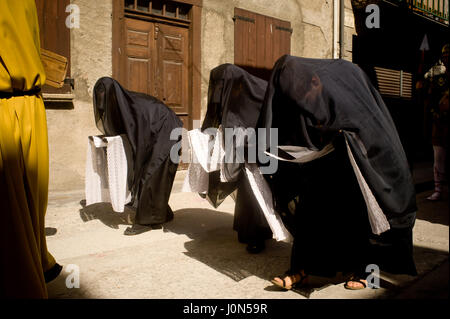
139	65
172	67
156	63
172	84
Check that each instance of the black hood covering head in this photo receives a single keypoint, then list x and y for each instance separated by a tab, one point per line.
234	101
146	121
234	98
315	102
311	101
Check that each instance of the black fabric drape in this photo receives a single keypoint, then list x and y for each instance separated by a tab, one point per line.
315	102
147	123
234	101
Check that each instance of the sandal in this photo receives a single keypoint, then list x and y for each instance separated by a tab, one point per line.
355	279
283	285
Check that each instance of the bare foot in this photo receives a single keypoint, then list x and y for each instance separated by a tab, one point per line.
288	281
355	283
435	196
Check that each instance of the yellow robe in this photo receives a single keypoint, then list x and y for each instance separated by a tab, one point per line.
24	159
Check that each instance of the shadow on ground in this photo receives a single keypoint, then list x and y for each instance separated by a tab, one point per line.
50	231
59	288
105	213
433	212
215	244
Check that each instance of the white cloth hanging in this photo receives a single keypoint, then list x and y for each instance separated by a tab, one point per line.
377	219
106	171
205	160
263	195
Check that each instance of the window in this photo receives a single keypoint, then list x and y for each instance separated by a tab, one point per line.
168	9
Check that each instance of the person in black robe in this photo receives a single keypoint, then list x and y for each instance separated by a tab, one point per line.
234	101
314	103
147	124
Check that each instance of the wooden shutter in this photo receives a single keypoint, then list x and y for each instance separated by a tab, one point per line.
394	83
259	41
54	34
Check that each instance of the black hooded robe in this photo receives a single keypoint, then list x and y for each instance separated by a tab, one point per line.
147	123
313	103
234	101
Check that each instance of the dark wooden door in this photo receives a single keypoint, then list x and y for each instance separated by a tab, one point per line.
156	63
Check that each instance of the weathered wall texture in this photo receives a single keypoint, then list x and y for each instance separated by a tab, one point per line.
68	129
313	36
312	23
349	30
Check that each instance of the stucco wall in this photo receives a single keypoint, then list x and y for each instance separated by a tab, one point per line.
68	129
312	23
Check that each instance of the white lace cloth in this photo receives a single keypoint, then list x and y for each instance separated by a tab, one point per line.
106	172
205	160
377	219
263	195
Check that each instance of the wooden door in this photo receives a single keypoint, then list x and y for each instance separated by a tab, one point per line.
138	61
156	63
172	45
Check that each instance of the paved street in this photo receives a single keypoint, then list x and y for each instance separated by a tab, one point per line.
197	255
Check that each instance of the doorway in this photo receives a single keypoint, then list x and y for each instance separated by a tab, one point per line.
156	51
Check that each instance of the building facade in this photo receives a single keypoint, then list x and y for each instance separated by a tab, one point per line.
167	49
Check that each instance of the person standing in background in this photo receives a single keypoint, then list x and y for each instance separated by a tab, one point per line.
437	103
25	264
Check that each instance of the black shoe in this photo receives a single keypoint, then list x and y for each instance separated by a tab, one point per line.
52	273
136	229
255	247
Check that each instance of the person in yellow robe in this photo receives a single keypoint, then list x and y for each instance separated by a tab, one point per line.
25	263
